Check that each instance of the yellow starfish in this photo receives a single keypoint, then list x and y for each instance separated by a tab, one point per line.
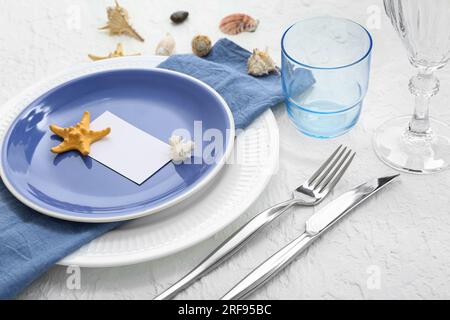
78	137
115	54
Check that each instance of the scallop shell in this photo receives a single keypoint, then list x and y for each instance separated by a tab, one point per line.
238	22
201	45
166	46
260	63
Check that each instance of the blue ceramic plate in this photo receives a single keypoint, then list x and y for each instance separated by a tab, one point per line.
77	188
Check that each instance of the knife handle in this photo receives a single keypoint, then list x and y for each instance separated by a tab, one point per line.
228	247
269	268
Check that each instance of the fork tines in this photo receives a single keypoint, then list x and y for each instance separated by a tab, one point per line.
332	170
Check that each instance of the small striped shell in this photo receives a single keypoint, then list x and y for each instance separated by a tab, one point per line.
238	22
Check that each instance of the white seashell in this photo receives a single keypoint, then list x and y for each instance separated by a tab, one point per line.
166	46
174	140
181	150
260	63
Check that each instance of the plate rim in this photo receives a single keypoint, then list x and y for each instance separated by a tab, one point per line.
22	101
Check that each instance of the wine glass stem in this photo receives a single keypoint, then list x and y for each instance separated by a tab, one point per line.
423	86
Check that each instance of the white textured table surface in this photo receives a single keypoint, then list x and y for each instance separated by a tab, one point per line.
395	246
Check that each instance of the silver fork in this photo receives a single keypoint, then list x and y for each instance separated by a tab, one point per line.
310	193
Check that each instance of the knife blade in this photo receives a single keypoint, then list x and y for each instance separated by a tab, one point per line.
316	225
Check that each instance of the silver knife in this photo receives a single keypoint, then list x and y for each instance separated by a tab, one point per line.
315	226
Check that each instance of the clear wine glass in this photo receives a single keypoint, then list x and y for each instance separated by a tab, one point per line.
423	146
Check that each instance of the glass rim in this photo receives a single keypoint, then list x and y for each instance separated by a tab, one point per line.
283	49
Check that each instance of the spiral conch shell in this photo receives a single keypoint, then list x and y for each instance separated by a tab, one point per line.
260	63
118	22
166	46
238	22
180	149
201	45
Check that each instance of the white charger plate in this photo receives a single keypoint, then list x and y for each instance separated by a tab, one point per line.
231	193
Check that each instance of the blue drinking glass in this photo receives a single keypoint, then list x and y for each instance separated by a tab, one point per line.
337	52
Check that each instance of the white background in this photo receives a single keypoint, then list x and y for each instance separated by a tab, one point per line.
401	237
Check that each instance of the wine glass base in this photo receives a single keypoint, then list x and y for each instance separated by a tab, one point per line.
399	149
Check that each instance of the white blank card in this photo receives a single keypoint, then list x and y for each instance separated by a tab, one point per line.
128	150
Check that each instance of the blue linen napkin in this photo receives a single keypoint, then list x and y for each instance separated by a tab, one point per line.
30	243
225	69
